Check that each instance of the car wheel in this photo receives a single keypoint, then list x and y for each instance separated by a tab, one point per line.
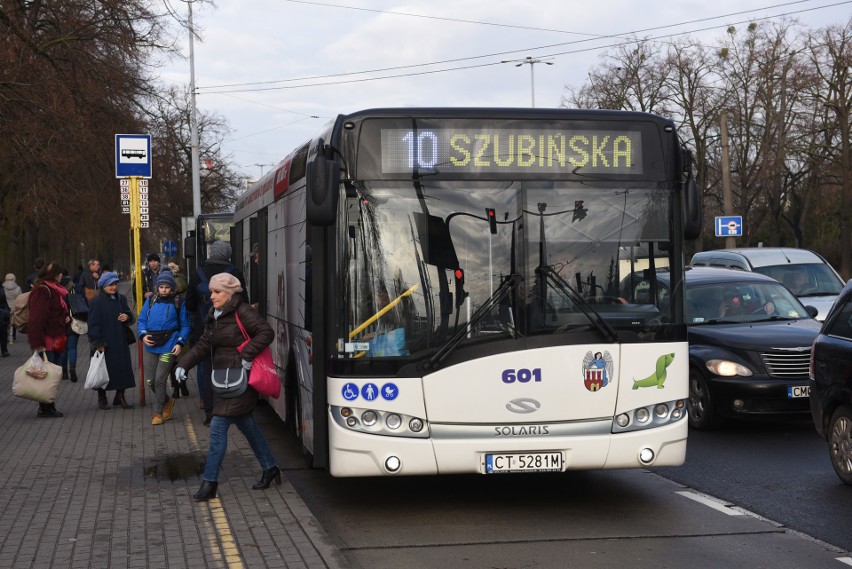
701	413
840	443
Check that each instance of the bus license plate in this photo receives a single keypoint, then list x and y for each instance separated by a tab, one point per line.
523	462
797	391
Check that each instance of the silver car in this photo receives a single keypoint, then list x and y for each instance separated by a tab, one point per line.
807	274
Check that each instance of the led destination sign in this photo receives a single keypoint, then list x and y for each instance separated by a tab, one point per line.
507	151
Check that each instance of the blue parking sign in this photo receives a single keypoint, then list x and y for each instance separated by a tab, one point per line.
729	226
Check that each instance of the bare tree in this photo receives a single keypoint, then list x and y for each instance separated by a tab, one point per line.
72	74
830	52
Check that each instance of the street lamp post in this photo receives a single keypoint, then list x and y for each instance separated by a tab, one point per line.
531	61
193	123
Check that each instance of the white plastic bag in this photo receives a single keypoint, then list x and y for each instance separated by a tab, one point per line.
97	376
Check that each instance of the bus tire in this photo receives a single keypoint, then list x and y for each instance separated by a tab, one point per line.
294	411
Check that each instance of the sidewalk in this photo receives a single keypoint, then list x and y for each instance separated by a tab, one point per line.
107	489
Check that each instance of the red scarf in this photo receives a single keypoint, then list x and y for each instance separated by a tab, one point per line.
63	292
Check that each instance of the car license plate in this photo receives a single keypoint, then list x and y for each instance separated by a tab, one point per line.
797	391
523	462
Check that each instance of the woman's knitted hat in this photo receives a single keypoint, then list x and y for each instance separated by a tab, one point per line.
225	282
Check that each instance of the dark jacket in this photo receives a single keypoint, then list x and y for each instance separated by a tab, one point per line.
106	330
219	342
149	280
47	317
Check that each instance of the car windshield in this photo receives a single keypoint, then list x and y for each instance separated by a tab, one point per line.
812	279
741	301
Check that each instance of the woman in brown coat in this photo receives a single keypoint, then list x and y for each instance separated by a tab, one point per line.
218	343
48	321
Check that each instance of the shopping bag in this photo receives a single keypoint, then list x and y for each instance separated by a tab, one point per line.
37	379
97	376
263	377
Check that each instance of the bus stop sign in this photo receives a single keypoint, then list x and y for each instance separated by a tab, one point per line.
132	155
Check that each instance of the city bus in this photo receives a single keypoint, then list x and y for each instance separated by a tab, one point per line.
473	290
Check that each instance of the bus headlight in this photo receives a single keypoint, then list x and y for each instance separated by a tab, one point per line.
393	421
648	417
378	422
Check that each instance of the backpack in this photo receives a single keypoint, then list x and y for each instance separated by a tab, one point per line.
203	288
177	300
21	312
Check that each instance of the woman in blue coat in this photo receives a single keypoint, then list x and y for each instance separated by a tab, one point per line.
109	315
163	329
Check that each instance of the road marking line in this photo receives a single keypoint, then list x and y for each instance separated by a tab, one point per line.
711	502
845	560
221	540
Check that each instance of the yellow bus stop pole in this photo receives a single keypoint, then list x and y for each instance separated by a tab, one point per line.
135	225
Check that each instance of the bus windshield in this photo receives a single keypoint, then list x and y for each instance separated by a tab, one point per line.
426	261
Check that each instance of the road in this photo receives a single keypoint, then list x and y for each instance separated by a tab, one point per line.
779	470
597	519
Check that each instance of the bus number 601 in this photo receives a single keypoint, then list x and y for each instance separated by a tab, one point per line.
521	375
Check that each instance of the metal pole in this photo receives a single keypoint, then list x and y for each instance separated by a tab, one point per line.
193	123
532	83
135	225
727	196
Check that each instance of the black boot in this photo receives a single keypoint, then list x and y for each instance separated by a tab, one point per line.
175	390
267	477
102	400
72	372
207	491
48	410
120	401
64	373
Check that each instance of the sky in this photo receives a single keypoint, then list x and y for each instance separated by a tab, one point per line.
278	70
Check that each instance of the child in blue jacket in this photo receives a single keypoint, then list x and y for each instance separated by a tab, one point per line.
163	328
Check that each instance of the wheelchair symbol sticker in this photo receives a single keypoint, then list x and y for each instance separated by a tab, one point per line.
369	391
350	392
390	391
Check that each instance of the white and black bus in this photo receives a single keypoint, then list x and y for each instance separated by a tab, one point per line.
473	290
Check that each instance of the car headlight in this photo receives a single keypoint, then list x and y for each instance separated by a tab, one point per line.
727	368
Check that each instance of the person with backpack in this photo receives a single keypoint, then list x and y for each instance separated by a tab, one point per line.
164	327
11	290
199	305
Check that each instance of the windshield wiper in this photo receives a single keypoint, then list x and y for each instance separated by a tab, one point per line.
563	286
774	317
508	284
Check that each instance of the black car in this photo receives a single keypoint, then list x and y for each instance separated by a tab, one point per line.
749	345
831	384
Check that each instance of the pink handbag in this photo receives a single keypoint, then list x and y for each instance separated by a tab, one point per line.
263	377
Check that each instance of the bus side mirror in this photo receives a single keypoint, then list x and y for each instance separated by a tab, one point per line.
692	210
323	181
